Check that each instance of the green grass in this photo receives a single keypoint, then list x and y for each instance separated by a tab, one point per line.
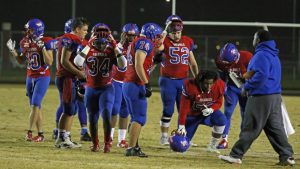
16	153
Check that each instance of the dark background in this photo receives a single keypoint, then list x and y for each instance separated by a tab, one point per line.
208	39
55	12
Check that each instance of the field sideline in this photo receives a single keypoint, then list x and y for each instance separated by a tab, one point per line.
16	153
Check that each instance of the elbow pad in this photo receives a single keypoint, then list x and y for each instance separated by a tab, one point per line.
79	60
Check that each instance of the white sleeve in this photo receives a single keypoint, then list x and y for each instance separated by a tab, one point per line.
79	60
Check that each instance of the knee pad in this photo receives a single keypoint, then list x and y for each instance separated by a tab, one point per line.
165	121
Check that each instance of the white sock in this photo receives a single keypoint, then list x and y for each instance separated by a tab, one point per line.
122	135
112	133
164	134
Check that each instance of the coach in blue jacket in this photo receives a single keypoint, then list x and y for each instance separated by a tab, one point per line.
263	108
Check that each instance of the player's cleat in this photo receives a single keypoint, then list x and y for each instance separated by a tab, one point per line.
135	151
39	138
28	136
55	134
230	159
122	144
212	149
223	144
164	141
95	148
106	148
289	162
66	143
85	137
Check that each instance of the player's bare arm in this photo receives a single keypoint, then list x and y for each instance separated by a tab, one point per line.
66	54
140	57
193	64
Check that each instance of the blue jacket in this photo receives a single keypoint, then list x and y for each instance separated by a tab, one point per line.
266	65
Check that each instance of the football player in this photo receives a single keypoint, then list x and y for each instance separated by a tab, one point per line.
80	108
231	61
136	86
201	99
99	92
178	58
36	50
129	33
67	74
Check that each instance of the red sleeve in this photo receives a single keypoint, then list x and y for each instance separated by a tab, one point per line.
185	103
244	60
218	90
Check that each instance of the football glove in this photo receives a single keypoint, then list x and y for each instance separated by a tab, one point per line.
181	130
148	90
11	44
207	111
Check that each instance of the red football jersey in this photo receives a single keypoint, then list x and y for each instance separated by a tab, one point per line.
98	68
73	43
118	74
143	44
240	67
36	66
193	99
177	56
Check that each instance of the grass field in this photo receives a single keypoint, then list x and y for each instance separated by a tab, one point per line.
16	153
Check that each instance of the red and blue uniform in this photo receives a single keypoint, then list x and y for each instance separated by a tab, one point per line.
118	76
38	73
173	70
133	88
65	80
194	100
99	93
233	93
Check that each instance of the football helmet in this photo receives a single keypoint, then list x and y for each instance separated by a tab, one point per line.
178	142
176	23
100	33
35	29
229	53
131	28
68	26
152	31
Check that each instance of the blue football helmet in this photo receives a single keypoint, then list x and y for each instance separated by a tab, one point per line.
100	27
152	31
179	143
35	29
131	28
68	26
229	53
176	23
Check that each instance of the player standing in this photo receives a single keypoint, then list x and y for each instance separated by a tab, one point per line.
36	49
66	74
136	87
129	33
174	69
80	108
99	94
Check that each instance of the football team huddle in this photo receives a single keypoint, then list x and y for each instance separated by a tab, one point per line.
102	76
